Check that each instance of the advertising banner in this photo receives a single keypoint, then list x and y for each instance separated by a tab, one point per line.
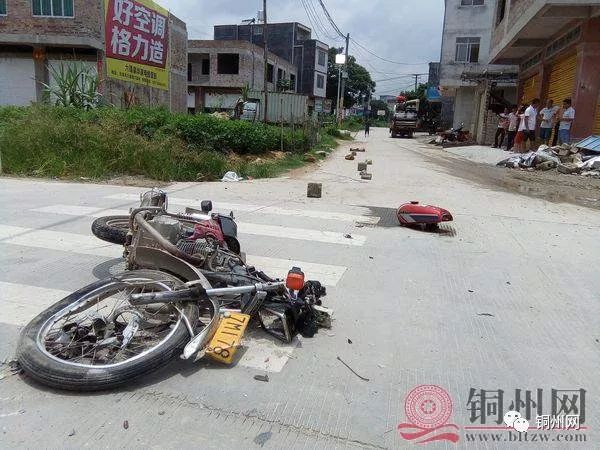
137	42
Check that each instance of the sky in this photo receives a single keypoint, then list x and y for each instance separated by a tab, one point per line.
403	31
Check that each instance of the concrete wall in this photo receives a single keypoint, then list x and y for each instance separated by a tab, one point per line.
251	61
464	107
290	41
84	29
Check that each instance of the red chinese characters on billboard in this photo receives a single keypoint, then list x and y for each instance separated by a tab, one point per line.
136	33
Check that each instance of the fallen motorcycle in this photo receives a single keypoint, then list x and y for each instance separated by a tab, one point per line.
454	135
184	292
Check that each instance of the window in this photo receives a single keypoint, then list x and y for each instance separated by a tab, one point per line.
471	2
501	11
270	72
279	74
2	7
467	49
52	8
320	81
206	66
292	82
189	71
228	63
322	57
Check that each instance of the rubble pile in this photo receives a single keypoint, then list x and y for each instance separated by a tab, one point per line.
565	158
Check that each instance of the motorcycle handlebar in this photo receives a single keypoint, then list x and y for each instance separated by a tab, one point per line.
196	292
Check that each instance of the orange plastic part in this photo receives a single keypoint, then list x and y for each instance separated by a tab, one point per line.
295	279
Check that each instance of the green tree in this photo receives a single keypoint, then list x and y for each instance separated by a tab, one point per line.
420	93
359	84
379	105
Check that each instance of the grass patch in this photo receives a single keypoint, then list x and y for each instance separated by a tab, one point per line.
62	142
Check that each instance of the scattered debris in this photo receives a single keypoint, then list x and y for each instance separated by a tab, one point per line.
471	290
231	177
370	257
369	162
351	369
359	225
366	176
567	159
508	282
349	341
362	166
314	190
262	438
126	424
264	378
348	236
349	157
72	433
161	413
486	314
381	366
358	149
310	158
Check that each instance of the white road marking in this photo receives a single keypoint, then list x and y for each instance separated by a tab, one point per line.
90	245
20	303
304	234
225	207
76	210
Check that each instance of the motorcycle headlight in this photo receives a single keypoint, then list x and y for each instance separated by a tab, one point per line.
278	321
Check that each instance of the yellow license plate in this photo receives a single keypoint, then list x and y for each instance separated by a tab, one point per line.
227	338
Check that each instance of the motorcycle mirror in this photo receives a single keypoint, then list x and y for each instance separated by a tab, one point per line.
206	206
278	321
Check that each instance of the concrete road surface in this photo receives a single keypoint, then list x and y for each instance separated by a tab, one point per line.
499	310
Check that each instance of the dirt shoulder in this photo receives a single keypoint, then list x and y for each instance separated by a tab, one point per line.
551	185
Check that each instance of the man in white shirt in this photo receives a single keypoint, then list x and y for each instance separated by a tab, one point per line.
530	122
547	115
566	120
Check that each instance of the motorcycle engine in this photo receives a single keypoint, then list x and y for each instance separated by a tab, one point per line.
215	258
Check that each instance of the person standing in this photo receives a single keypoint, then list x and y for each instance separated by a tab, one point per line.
367	127
566	120
547	114
530	122
501	130
521	126
557	116
512	128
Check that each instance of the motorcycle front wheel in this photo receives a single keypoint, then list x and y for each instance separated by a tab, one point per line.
95	339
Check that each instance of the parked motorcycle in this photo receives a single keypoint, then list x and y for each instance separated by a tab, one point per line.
455	134
184	288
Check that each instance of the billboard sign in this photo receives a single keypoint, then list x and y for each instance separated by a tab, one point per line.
137	42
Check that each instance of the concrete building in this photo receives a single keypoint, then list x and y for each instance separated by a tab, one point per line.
292	42
219	70
36	36
557	46
472	90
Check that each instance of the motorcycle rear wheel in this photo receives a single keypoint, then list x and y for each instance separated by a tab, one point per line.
111	229
74	346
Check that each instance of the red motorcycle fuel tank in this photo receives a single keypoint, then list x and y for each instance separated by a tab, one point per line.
413	213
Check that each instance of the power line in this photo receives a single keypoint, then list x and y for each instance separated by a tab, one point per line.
320	23
310	17
330	19
385	59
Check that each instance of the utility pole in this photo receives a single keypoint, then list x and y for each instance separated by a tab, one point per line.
416	81
266	55
345	72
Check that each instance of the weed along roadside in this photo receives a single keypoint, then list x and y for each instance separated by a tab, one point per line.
102	143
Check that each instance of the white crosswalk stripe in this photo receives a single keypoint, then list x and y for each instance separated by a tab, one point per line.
89	245
225	207
304	234
20	303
